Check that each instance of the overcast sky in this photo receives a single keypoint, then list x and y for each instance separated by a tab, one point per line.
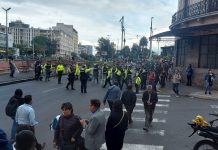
94	18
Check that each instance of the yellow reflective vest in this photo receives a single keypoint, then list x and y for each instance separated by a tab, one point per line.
109	73
138	80
60	67
118	72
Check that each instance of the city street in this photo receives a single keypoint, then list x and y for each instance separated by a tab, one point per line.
169	132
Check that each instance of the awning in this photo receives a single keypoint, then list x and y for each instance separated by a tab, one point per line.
163	34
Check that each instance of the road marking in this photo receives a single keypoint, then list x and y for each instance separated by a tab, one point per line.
159	100
164	100
155	120
137	147
140	110
214	106
141	131
46	91
159	95
158	105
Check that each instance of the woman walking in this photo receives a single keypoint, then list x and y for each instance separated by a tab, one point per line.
116	126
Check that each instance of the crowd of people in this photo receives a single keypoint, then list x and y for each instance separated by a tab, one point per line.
68	127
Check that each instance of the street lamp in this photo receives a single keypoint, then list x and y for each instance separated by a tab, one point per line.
151	34
6	11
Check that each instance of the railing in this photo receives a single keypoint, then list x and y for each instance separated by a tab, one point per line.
198	9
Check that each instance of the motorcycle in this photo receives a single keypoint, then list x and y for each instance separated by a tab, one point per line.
207	131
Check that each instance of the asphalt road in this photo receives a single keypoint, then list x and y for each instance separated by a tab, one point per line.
169	132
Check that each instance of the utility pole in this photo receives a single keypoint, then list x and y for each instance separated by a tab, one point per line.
123	40
6	46
150	39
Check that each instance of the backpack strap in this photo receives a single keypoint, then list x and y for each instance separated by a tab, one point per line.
120	120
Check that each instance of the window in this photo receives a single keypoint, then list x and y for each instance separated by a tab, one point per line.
209	52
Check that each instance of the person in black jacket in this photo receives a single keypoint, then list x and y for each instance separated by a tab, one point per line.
68	130
129	100
14	101
116	126
71	77
149	99
83	79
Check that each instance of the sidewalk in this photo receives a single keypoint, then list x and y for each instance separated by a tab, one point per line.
191	91
5	79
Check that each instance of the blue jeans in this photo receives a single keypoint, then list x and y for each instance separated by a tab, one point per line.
13	130
208	87
176	88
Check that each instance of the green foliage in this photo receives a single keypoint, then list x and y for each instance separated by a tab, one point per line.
125	52
135	51
143	42
104	45
43	45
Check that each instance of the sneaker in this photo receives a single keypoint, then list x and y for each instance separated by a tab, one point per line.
73	89
67	88
209	92
205	93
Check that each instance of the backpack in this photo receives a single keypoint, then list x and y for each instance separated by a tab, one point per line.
11	107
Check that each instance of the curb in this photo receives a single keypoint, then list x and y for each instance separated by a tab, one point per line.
201	96
16	81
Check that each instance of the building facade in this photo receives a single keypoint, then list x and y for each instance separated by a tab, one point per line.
195	25
22	33
87	49
67	38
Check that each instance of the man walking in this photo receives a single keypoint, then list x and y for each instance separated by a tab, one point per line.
113	94
129	100
149	99
25	118
94	127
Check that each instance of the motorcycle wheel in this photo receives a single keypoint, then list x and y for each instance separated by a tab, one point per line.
205	145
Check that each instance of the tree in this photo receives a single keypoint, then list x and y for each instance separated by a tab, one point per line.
143	42
84	56
45	46
135	51
105	47
125	52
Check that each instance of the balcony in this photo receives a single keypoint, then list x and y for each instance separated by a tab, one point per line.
195	11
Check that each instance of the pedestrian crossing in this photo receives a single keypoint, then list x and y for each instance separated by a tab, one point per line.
136	129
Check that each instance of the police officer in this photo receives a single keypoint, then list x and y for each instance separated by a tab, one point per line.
84	78
71	77
59	72
137	83
124	77
108	78
95	73
47	67
104	73
118	76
